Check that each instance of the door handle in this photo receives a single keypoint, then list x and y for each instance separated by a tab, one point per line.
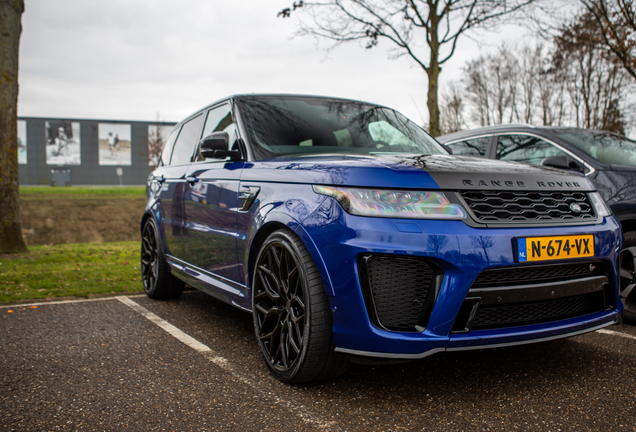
192	180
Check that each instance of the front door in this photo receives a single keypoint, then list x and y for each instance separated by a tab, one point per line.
211	205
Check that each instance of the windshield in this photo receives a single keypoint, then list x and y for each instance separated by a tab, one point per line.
604	147
284	125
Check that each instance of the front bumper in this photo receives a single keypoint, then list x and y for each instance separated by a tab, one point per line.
339	241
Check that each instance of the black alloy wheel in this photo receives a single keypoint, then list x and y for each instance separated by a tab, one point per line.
158	282
291	313
627	276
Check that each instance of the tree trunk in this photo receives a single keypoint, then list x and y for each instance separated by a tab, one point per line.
433	104
433	75
10	28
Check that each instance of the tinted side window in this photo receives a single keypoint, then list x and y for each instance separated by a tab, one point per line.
219	119
167	149
474	147
187	140
525	149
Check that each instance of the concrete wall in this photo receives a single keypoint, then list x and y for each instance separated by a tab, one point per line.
89	172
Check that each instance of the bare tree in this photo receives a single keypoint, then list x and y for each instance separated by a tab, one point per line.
10	28
426	31
551	85
155	142
577	84
478	90
452	112
595	82
616	20
492	82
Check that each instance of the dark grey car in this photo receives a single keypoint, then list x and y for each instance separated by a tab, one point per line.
609	160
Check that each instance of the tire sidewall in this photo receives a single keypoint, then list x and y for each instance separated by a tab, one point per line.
285	238
629	316
150	291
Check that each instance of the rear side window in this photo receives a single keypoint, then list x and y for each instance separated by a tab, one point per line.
167	149
606	148
477	147
525	149
187	141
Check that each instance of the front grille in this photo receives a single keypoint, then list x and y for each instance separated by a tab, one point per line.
509	316
399	292
537	274
528	207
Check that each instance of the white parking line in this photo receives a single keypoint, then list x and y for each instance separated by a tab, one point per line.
172	330
615	333
224	364
21	305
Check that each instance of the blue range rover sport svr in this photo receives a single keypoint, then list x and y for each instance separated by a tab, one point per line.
352	235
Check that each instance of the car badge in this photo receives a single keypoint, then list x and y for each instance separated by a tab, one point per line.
575	208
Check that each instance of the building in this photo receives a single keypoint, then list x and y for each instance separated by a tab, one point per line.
53	151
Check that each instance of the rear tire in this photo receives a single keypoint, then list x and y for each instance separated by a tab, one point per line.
158	282
291	313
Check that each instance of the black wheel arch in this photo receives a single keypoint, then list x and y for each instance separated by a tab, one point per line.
257	242
626	215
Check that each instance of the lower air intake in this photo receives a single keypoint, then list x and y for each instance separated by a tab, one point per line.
399	292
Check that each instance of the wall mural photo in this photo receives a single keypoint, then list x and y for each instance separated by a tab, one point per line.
63	143
22	142
114	144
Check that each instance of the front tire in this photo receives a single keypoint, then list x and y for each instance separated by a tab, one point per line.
627	268
291	313
159	283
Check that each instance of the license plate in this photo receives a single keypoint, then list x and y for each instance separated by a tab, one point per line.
555	247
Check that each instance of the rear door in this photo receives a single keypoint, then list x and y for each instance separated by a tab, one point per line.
177	158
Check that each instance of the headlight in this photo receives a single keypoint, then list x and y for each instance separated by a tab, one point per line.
393	203
600	206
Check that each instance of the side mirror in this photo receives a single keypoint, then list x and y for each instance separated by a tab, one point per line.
216	146
563	162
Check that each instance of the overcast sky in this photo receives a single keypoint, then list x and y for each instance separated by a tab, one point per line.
134	59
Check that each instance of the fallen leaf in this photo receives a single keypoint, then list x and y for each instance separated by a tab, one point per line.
9	311
33	307
124	263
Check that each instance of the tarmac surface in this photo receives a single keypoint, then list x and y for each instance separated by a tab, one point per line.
136	364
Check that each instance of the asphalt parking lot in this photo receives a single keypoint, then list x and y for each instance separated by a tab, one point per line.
133	364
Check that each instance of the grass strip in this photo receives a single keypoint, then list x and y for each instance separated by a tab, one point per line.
77	270
80	192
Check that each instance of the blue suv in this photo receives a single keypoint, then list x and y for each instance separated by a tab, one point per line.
350	234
